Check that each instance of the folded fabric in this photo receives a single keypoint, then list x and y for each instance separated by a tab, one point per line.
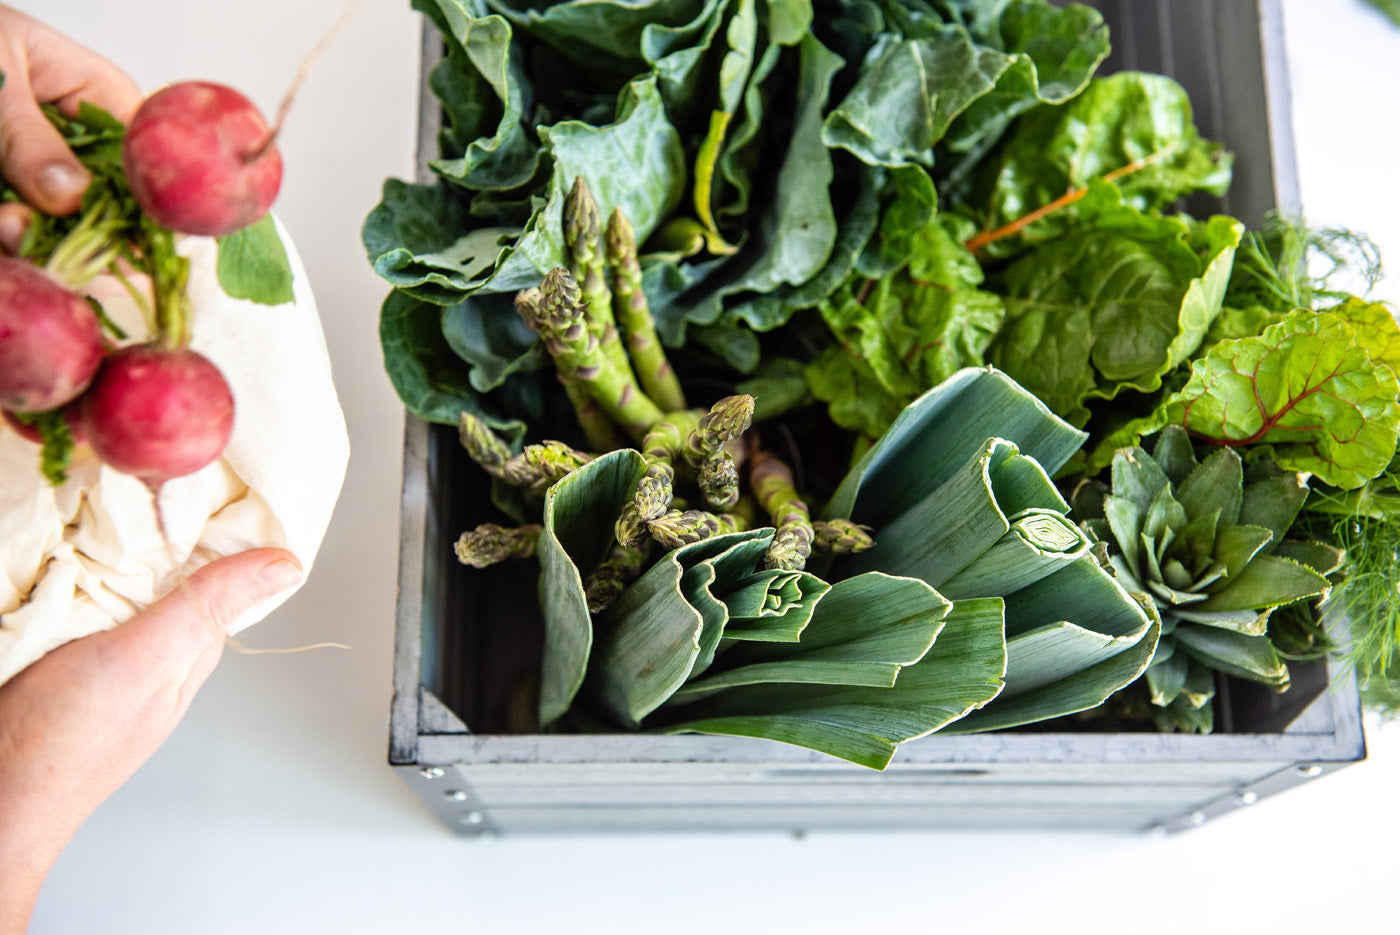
86	555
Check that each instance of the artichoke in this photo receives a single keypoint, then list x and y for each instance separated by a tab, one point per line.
1204	540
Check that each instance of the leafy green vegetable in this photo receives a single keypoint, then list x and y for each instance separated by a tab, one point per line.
1111	307
736	118
908	94
1306	387
1053	53
1206	544
1131	128
942	504
252	264
901	334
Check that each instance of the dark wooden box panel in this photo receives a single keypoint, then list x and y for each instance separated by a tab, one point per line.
467	644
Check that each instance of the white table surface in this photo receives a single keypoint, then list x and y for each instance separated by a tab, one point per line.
271	809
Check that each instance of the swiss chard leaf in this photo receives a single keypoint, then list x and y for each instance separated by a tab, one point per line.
1053	54
1130	128
1309	388
904	333
1111	307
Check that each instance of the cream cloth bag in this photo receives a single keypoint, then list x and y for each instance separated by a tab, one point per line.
87	555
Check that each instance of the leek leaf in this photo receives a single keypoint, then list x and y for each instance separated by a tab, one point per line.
959	673
579	512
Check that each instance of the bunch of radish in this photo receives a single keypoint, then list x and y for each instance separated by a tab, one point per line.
197	158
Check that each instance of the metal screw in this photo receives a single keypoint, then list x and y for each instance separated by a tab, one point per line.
1247	797
472	818
456	795
432	772
1309	770
1197	818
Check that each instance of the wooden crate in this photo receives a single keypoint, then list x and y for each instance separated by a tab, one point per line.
466	642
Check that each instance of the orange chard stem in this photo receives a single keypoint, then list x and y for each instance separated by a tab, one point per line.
981	239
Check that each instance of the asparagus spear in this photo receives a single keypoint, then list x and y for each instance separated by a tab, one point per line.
676	528
584	240
601	434
841	536
607	582
488	544
706	448
483	446
657	378
772	484
538	466
559	319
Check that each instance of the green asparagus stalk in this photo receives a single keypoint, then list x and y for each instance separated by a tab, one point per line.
676	528
706	448
607	582
661	447
772	484
727	420
483	446
587	261
488	544
719	481
634	314
600	433
841	536
559	319
538	466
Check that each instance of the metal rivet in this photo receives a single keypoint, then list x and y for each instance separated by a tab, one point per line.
1310	770
432	772
472	818
1158	831
456	795
1197	818
1247	797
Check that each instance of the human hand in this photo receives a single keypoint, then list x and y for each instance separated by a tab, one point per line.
42	66
79	722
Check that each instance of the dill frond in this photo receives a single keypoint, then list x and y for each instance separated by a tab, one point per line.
1286	265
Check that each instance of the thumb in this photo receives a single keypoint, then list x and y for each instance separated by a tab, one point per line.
33	155
226	588
184	631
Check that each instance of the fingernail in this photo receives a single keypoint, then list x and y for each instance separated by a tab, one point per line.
60	181
279	575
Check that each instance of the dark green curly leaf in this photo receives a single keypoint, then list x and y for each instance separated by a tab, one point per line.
908	93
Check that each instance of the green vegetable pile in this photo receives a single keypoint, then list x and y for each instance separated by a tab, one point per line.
788	331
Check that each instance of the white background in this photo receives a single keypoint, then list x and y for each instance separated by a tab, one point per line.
272	810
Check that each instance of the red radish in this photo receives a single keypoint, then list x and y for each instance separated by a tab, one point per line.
201	159
50	340
157	413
